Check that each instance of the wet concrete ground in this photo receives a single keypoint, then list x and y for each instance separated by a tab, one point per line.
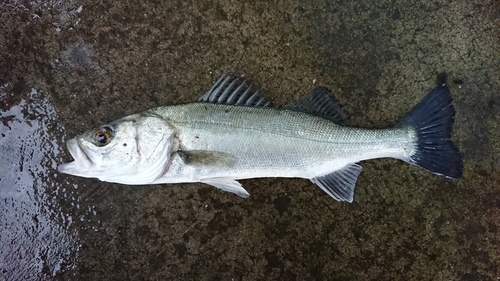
69	66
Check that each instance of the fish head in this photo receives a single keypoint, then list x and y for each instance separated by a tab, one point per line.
131	150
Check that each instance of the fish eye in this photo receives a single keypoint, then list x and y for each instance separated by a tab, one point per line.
103	136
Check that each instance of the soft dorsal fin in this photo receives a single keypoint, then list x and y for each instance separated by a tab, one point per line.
233	91
341	183
319	102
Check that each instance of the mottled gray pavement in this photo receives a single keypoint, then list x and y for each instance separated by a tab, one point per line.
69	66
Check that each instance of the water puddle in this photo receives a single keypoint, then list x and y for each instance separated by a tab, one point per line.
36	243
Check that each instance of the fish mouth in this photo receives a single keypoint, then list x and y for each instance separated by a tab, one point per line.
82	160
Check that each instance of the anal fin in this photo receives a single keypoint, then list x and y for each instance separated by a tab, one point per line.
227	184
340	184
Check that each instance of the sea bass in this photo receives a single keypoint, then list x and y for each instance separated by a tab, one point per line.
232	133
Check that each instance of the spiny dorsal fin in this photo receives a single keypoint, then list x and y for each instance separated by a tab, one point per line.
233	91
319	102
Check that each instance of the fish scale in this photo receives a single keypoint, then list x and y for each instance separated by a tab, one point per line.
248	132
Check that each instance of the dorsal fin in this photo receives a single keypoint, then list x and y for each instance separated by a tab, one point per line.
319	102
233	91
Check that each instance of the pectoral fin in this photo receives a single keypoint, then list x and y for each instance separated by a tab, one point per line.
206	158
227	184
340	184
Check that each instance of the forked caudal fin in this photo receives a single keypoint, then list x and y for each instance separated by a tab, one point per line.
433	120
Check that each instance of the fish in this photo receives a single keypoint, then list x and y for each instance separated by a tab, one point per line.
232	133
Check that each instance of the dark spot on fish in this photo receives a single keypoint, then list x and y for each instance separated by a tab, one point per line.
196	137
458	81
124	144
226	111
205	107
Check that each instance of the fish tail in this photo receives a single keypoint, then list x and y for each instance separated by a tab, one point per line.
433	120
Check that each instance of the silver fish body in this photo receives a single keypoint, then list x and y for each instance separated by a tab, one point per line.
226	136
269	142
